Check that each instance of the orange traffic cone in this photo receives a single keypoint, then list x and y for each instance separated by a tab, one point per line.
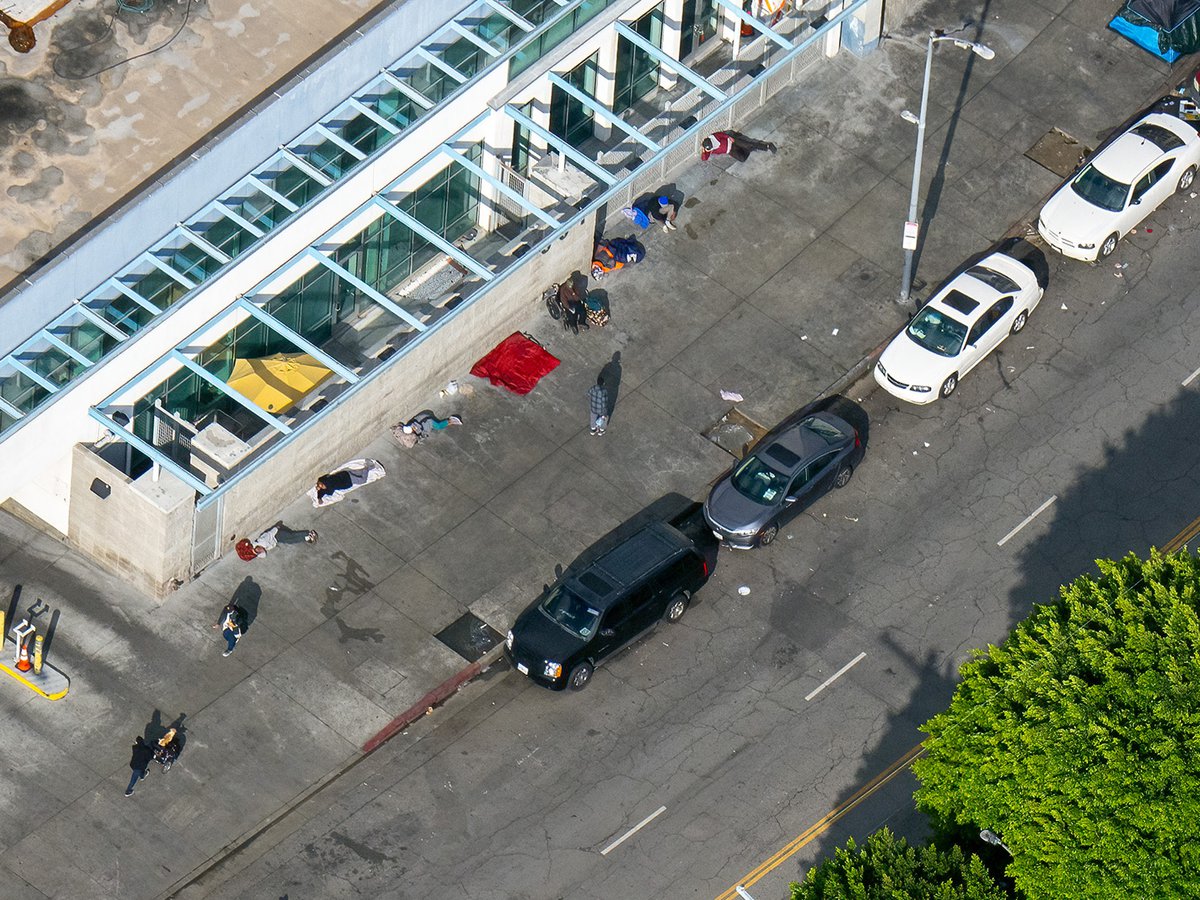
23	662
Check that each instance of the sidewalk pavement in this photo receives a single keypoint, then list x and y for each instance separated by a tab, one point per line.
781	279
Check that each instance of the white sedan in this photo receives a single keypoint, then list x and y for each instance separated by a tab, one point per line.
1125	182
961	324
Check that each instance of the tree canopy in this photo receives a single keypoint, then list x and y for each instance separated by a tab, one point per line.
1078	739
887	868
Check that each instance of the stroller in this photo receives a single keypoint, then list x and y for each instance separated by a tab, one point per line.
166	751
615	253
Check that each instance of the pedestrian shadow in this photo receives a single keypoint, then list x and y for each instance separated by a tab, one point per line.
611	373
247	596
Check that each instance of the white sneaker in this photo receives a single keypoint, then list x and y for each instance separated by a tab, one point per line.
227	652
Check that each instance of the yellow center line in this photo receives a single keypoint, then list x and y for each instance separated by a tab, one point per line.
1183	537
824	823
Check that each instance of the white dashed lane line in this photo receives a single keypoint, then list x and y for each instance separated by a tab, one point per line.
632	831
1190	378
835	676
1029	518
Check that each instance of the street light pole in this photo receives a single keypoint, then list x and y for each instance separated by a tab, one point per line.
911	226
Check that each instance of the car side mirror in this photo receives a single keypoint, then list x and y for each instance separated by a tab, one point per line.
606	632
545	589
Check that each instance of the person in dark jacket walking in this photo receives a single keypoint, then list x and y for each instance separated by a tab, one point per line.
143	753
598	406
734	143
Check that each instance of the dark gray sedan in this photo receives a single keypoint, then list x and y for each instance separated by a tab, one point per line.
787	471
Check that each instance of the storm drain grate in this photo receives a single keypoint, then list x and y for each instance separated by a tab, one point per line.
469	636
1058	151
734	432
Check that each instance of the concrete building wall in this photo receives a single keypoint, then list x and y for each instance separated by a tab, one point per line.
142	531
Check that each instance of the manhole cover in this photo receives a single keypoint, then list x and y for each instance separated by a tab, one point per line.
1058	151
469	636
734	431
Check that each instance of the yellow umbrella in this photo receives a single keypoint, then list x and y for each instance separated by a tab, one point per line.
275	383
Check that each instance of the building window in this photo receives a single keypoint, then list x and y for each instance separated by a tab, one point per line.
570	119
555	34
637	70
698	24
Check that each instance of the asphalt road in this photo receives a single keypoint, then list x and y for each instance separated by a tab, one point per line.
711	730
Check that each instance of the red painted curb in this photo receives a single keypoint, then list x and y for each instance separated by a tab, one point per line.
433	698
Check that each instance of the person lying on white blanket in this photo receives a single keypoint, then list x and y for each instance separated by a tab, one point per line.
345	478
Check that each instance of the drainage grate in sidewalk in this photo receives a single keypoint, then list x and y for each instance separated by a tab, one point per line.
1058	151
469	636
734	432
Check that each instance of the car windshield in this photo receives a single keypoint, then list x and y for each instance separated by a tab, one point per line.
936	331
573	614
758	481
1099	190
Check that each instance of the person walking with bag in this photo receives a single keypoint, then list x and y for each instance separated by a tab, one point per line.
231	623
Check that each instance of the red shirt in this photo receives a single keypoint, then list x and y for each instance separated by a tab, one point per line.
723	141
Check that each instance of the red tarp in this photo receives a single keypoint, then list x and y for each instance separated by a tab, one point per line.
517	363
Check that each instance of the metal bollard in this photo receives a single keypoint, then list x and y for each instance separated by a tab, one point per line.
37	654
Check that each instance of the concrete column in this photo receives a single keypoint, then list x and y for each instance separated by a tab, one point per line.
862	31
606	80
833	39
672	40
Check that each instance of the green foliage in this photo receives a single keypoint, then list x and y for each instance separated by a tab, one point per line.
1078	739
887	868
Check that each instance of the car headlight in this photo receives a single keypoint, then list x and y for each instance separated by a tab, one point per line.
552	670
920	388
882	370
508	640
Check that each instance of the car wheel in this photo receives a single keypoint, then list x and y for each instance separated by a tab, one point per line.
767	535
1019	322
1186	179
949	385
580	676
843	476
1109	245
678	606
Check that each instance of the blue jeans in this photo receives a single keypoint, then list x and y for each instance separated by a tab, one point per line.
231	638
138	775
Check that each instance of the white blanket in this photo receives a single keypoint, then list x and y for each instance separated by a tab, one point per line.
362	471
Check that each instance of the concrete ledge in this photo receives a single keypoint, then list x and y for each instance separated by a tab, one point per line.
435	697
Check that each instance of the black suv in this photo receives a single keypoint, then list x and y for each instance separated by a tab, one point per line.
590	614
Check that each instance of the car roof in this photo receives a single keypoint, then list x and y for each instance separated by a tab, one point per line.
627	563
1131	154
800	442
956	296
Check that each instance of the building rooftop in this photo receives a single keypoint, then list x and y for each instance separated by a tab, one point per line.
110	98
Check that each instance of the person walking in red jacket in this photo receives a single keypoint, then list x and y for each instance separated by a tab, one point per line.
734	143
